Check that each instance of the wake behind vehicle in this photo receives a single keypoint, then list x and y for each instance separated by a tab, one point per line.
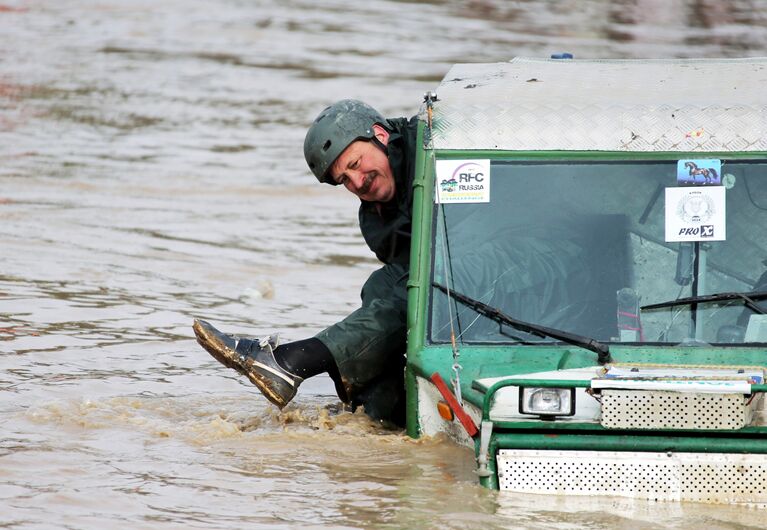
589	276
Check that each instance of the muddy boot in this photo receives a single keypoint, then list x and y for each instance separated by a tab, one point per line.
252	358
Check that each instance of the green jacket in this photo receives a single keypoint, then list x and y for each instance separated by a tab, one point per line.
368	345
387	232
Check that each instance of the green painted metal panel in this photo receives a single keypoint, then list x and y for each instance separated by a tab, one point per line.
487	361
711	443
423	189
569	426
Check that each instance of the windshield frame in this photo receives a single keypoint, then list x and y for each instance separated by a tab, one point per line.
559	157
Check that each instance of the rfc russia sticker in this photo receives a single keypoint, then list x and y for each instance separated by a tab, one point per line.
695	214
463	181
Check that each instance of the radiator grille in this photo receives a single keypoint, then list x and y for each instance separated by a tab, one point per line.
642	409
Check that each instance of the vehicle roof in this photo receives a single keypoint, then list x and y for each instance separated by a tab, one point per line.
603	105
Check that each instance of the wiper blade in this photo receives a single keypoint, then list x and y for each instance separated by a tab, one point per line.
602	350
748	300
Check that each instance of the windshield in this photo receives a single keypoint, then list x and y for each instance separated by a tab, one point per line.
579	247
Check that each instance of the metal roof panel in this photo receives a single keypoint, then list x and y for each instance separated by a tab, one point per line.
604	105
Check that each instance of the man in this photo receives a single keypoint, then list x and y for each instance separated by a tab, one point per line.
349	144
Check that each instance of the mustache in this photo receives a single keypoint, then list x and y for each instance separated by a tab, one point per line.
367	183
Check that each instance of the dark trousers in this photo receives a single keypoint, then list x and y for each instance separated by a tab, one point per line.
369	345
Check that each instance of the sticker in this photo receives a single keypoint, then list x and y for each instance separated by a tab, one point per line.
463	181
699	172
695	214
728	181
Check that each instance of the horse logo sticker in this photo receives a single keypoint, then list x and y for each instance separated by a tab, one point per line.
699	172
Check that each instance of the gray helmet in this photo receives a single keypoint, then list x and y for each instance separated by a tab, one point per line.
335	128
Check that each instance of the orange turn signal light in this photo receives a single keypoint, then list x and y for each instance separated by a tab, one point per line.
445	412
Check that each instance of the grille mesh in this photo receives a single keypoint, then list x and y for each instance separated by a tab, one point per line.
711	477
639	409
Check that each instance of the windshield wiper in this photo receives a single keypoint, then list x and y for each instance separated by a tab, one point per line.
602	350
748	300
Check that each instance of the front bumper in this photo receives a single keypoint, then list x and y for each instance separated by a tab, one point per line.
670	476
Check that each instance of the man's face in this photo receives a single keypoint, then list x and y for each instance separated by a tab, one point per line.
364	169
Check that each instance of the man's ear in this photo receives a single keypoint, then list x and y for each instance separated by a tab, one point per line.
381	134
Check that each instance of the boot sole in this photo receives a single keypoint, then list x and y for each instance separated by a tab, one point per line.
215	347
230	359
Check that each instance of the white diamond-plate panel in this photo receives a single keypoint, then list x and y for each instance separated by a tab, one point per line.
657	409
702	477
553	105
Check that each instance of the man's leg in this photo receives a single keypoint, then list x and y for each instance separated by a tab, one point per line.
369	346
362	353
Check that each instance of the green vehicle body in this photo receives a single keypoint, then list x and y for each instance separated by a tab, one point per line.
478	361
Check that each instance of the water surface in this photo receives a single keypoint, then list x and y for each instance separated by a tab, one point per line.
151	172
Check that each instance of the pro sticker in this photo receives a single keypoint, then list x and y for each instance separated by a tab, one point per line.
695	214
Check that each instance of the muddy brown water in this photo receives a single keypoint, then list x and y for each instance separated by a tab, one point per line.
151	172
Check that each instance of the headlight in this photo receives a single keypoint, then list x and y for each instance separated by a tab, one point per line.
547	401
